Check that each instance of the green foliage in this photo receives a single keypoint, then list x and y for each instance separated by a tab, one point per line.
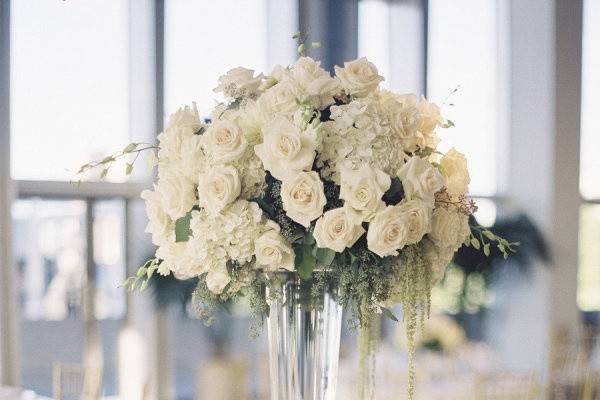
482	238
132	150
143	275
305	261
182	228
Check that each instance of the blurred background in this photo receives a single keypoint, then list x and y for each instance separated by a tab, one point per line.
79	79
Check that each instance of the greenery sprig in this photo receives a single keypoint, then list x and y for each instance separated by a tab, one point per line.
482	239
132	149
143	275
302	46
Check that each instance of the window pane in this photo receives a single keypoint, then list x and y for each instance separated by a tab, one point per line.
390	34
374	35
203	40
588	291
590	125
49	250
69	85
109	245
462	53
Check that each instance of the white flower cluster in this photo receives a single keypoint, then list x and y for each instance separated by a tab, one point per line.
306	130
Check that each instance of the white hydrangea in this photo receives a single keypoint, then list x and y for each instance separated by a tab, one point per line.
358	135
216	240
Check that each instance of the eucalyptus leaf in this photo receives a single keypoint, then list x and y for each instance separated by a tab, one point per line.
128	169
182	228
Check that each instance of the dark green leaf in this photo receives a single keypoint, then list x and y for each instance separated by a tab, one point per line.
182	228
308	238
305	261
395	193
325	256
388	313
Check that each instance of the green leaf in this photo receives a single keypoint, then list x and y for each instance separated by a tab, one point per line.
309	238
107	159
128	169
449	124
305	261
325	256
388	313
104	173
489	234
315	45
182	228
130	147
296	35
486	249
475	243
301	49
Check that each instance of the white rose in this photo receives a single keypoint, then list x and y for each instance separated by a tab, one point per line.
362	190
217	279
224	142
420	179
218	187
281	99
429	117
316	83
273	251
418	218
359	77
159	224
177	194
388	232
239	82
286	150
336	230
454	168
449	228
438	259
186	118
303	197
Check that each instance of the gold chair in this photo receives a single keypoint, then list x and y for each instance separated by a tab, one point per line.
73	382
507	386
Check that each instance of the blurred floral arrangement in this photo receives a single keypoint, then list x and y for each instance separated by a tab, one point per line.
471	273
332	178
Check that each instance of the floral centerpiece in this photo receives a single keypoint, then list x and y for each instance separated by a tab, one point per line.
331	178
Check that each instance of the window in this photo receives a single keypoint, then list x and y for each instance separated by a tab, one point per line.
71	89
203	40
463	77
66	86
588	291
391	35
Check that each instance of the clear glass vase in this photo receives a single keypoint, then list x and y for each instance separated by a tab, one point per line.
304	339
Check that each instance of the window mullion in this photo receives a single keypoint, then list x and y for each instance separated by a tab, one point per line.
9	370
